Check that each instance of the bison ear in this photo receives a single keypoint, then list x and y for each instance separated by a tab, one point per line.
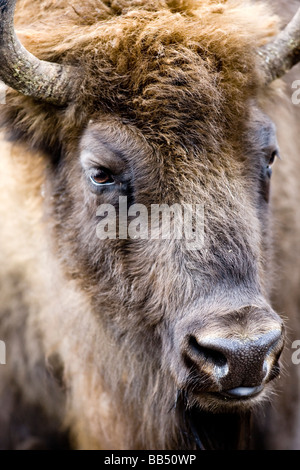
280	55
22	71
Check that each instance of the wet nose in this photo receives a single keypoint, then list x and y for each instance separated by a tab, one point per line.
238	366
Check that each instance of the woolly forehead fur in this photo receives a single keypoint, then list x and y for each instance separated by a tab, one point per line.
134	57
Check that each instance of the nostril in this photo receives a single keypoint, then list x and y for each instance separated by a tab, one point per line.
235	363
208	354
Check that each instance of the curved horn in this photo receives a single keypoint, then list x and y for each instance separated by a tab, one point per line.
22	71
280	55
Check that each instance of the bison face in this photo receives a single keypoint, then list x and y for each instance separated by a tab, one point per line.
157	198
198	298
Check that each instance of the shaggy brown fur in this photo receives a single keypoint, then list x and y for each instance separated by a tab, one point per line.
92	328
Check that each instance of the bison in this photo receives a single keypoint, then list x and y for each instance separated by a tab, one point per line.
144	342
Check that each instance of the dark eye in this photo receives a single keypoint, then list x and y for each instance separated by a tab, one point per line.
271	161
102	177
267	173
273	157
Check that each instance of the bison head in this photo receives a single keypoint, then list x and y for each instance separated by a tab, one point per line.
147	108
